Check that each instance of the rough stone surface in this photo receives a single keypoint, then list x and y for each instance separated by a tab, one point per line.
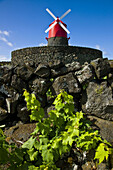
39	85
4	70
12	103
105	127
74	66
88	166
24	72
103	166
1	71
4	90
59	71
67	82
56	64
19	132
91	166
23	113
42	71
101	67
18	84
8	91
71	67
84	75
2	101
7	76
3	114
110	79
97	100
51	54
111	64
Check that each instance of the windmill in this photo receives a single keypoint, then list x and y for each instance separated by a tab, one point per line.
57	31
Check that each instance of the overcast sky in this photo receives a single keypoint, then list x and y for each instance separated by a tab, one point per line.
23	24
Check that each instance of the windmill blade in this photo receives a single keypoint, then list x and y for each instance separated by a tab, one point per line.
51	27
65	14
64	27
51	13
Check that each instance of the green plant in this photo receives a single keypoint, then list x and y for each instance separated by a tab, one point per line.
57	134
52	79
103	151
85	86
49	93
104	78
10	155
53	137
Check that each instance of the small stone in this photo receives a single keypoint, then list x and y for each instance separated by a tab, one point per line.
42	71
2	100
88	166
70	67
7	76
110	79
101	67
103	166
23	72
55	64
111	64
4	90
75	167
3	114
74	66
8	91
12	103
59	71
18	84
23	113
39	85
85	75
50	108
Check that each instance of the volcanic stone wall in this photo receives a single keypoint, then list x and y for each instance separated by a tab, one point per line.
2	63
44	71
50	55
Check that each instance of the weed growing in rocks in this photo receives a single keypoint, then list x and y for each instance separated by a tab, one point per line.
54	138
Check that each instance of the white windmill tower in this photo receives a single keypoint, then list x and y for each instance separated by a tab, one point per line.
57	31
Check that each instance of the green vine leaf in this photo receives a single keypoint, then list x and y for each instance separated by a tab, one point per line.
102	152
32	167
67	139
37	113
29	143
3	155
32	154
47	155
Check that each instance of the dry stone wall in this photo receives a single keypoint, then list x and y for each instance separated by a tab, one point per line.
2	63
51	55
81	72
